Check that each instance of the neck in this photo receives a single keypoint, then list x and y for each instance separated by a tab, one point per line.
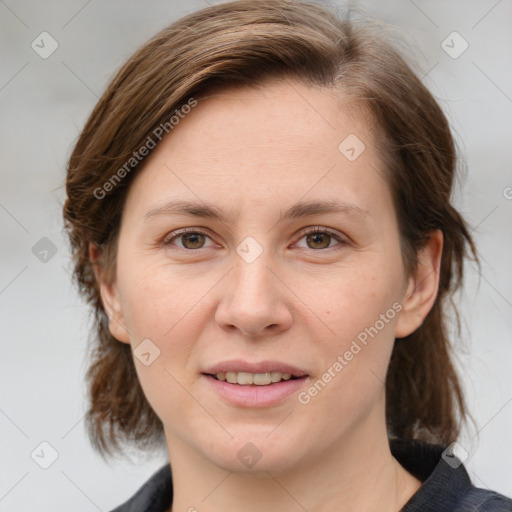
358	473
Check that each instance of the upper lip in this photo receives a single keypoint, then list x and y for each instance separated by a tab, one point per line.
239	365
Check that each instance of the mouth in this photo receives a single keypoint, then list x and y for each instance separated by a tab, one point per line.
264	373
263	384
253	379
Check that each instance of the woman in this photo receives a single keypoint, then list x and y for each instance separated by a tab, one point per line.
259	212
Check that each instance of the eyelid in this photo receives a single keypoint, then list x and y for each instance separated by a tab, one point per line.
341	239
180	232
319	229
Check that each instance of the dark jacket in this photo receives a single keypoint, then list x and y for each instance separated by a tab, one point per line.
446	486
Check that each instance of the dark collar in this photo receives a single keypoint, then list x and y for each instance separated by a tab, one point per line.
443	488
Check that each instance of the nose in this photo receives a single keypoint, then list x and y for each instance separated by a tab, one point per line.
254	300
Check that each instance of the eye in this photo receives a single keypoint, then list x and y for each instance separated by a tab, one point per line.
320	238
191	239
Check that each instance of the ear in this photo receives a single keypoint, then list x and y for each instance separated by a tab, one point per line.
422	287
109	297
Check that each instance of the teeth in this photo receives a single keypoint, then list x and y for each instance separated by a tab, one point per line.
247	379
231	377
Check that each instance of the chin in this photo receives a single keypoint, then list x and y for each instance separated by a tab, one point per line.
257	454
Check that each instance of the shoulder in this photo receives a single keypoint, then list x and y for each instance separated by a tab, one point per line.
446	486
483	500
155	495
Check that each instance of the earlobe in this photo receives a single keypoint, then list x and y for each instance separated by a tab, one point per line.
109	297
422	287
112	305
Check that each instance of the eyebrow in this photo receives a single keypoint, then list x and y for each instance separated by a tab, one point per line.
298	210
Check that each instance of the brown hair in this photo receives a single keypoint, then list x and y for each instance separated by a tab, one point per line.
246	42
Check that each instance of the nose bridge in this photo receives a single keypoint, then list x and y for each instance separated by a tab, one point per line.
252	288
253	300
251	273
251	278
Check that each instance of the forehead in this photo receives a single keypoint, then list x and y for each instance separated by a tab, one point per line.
280	140
277	116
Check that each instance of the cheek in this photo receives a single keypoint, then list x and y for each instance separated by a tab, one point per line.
156	299
352	375
159	306
362	311
357	299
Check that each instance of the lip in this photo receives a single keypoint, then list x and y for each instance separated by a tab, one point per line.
252	395
239	365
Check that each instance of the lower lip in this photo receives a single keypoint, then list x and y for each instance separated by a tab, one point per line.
255	396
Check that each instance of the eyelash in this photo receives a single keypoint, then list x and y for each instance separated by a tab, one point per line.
167	241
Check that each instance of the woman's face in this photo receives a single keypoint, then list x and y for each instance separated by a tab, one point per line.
219	270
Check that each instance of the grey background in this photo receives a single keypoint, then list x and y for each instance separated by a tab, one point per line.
44	103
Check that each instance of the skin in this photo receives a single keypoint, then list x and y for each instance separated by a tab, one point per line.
254	152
